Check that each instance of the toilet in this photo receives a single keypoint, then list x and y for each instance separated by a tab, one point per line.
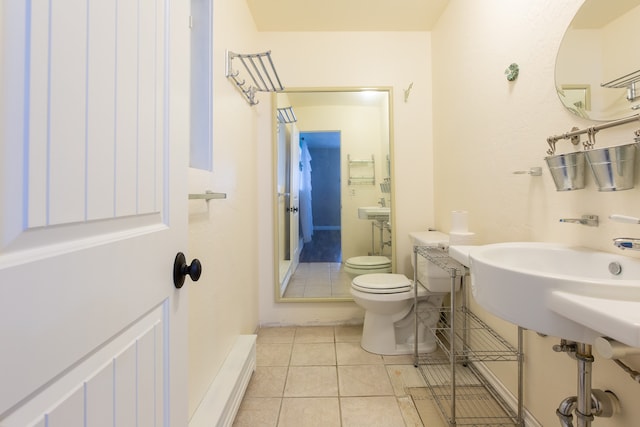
388	301
359	265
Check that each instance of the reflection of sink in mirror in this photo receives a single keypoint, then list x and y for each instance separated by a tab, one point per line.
570	292
374	212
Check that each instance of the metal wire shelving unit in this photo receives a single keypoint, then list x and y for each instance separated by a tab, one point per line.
453	374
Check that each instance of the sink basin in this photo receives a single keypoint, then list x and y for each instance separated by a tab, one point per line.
374	212
560	290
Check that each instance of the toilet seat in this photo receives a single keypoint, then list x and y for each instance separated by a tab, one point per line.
382	283
368	264
374	261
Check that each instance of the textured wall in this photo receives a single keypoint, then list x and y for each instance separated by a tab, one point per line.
469	136
486	128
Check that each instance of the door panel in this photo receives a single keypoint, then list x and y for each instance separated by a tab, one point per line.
93	162
294	191
94	143
129	369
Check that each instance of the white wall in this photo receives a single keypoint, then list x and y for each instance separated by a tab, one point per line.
222	233
486	128
316	59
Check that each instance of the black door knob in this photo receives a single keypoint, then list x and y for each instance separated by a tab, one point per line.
181	269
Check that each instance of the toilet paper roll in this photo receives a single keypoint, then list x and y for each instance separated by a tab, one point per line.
459	221
461	238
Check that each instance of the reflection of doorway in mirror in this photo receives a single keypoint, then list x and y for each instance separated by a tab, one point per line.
322	243
362	118
319	272
576	97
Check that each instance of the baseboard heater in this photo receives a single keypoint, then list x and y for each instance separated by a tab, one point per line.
221	401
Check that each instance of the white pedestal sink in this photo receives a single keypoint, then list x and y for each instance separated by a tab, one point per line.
378	213
569	292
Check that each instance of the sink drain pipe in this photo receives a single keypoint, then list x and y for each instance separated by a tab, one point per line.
588	403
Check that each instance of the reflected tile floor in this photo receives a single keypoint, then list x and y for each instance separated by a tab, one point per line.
320	376
319	280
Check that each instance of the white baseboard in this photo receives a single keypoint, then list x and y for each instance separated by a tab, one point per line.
221	401
507	396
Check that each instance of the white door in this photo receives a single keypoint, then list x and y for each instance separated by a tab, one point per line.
294	200
93	163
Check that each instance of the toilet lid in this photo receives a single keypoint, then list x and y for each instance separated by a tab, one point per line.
382	283
365	262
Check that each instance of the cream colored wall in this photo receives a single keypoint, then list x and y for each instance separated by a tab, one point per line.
222	233
353	59
486	128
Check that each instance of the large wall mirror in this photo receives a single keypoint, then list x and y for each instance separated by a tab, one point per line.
598	68
333	182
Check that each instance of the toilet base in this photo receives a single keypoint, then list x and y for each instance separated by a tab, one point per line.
390	335
379	337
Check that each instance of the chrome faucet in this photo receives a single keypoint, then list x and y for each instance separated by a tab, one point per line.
627	243
588	220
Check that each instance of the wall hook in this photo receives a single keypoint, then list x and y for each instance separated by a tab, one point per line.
407	91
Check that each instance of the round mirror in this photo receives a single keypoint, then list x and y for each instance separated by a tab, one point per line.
598	67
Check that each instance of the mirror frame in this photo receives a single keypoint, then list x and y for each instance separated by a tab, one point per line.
274	177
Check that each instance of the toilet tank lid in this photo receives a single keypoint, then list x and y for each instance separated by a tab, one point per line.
382	281
425	238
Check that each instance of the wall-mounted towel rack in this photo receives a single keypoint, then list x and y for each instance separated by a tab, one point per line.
627	81
207	195
362	171
286	115
261	71
575	133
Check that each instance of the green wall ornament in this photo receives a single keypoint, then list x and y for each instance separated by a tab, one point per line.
512	72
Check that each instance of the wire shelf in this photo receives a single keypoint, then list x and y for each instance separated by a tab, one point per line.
460	391
476	402
440	257
474	339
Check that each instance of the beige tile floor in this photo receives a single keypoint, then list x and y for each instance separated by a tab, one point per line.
320	376
319	279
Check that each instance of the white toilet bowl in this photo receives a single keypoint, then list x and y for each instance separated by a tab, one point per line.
359	265
388	300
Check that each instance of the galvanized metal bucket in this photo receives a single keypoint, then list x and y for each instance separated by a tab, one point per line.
567	170
613	167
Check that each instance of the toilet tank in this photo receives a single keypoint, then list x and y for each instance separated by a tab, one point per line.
431	276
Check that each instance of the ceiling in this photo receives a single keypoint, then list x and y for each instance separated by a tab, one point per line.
389	15
346	15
